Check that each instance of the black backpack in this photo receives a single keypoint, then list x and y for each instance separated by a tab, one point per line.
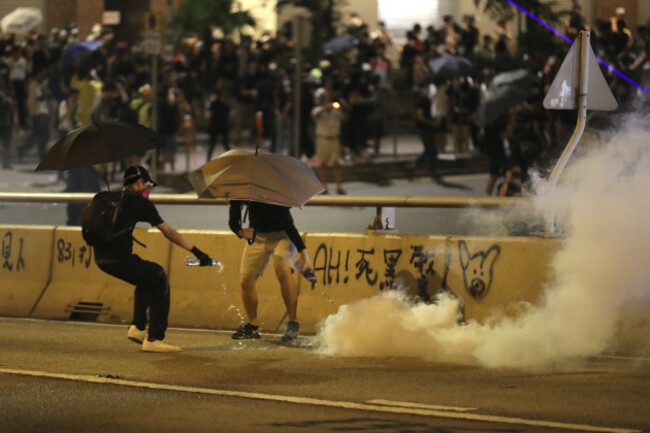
99	216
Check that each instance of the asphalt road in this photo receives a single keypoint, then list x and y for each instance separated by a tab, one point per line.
80	377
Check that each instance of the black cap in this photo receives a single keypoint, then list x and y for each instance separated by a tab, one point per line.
135	172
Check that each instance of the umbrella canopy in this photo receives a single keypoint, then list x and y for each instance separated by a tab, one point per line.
266	178
98	143
76	52
506	90
449	66
499	101
21	20
513	78
339	43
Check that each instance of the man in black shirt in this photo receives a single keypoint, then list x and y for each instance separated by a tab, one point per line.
273	233
116	258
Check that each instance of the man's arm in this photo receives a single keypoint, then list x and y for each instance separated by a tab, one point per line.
174	236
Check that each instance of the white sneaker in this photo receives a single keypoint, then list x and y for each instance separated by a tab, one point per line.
159	346
136	335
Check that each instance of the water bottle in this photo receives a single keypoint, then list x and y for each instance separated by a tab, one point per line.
194	261
307	273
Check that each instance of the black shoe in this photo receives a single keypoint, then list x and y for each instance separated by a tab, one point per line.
246	332
292	331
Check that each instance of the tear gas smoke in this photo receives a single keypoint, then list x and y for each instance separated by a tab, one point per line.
601	280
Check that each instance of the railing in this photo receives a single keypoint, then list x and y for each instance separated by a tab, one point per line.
378	201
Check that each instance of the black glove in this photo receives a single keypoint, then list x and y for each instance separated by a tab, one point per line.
204	259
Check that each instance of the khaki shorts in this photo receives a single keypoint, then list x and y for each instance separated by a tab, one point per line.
256	256
328	149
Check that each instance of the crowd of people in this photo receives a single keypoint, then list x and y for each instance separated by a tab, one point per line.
242	93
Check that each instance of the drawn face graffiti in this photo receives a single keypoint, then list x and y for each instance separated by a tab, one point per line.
477	269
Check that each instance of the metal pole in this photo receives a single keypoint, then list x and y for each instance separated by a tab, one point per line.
580	127
154	112
298	87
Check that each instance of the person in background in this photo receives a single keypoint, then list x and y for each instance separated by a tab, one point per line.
428	128
328	117
39	114
218	113
513	186
17	64
272	233
285	116
116	258
7	121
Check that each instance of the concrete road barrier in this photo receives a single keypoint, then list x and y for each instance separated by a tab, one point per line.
489	275
80	290
25	267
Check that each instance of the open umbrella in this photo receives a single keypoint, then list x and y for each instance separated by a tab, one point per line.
499	101
21	20
260	177
339	43
506	90
449	66
99	143
78	51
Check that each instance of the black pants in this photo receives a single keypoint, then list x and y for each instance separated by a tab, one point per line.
151	292
430	154
214	135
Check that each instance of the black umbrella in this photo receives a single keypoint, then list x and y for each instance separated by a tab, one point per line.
506	91
339	43
449	66
99	143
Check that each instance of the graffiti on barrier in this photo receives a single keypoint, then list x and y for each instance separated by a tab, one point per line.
67	252
12	262
478	268
421	268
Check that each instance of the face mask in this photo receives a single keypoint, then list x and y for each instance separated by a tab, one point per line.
144	192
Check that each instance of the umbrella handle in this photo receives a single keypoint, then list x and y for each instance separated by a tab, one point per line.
252	240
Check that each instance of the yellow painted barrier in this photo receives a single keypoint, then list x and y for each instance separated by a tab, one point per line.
25	267
206	296
489	275
79	289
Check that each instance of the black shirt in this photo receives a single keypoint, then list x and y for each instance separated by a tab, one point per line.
134	208
265	218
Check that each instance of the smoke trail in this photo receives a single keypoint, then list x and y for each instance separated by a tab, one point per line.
601	279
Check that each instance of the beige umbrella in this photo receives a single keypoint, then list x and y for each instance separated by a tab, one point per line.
21	20
260	177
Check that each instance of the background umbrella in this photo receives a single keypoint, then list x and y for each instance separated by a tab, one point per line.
339	43
266	178
449	66
21	20
499	101
506	91
78	51
99	143
518	77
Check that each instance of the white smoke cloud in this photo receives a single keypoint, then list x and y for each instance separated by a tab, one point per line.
598	300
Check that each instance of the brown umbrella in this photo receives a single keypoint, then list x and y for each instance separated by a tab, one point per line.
259	177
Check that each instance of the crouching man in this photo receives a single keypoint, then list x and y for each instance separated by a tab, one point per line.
116	258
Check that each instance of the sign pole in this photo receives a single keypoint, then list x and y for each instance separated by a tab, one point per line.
583	74
298	86
154	111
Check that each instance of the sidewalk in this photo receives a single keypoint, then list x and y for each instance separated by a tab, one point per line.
395	157
394	161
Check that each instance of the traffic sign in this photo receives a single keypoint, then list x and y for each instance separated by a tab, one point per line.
151	43
152	21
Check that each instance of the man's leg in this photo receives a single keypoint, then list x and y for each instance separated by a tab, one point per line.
151	291
249	297
289	290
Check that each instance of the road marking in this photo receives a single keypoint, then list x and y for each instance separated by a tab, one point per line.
421	406
319	402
